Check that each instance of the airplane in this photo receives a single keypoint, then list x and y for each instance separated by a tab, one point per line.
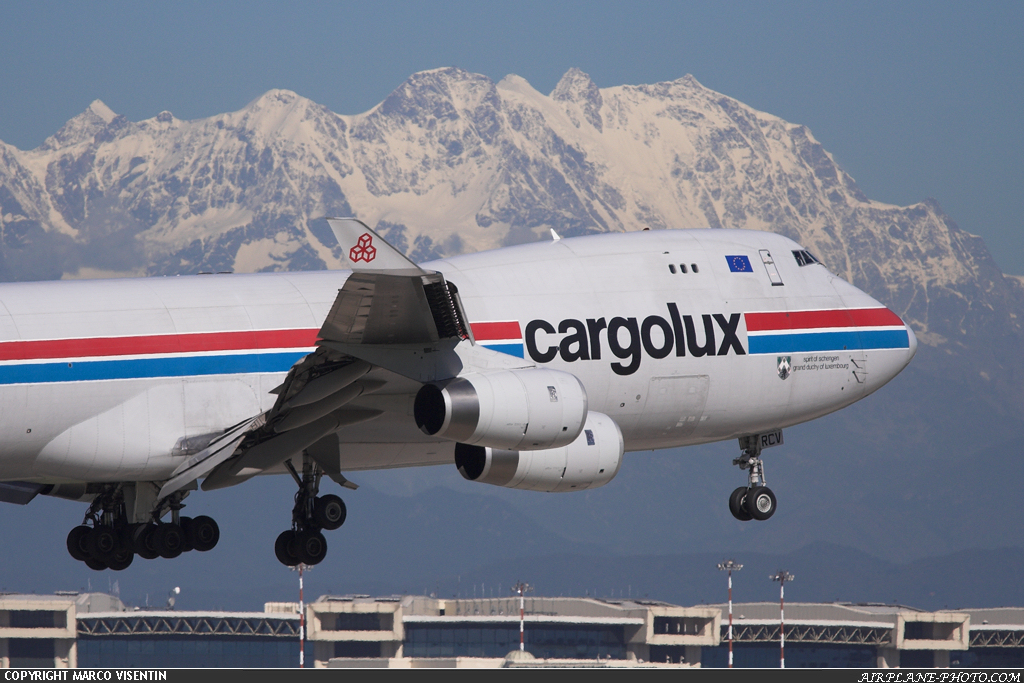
532	367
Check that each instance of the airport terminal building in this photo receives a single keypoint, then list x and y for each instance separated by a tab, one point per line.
97	630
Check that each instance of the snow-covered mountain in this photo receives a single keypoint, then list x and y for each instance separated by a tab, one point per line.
453	162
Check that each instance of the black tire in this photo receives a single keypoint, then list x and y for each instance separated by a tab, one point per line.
760	503
93	563
77	543
168	540
204	533
310	547
736	501
329	512
122	558
284	548
143	544
186	534
102	542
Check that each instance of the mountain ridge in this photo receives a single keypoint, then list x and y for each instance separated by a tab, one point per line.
481	164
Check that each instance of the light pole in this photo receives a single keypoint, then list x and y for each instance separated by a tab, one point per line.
521	588
730	566
782	577
171	595
300	567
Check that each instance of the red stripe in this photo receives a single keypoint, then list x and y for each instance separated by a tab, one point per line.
497	330
158	343
802	320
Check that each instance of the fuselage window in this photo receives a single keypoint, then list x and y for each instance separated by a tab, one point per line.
682	268
671	269
693	267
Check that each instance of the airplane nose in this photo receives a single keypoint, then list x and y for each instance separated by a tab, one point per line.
913	342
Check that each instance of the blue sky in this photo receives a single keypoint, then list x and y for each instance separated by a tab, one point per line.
914	99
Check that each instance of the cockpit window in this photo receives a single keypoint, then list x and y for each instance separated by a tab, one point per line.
804	257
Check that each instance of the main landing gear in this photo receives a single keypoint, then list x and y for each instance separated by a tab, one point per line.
305	543
106	539
755	500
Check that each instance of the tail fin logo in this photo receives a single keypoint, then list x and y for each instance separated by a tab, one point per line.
364	249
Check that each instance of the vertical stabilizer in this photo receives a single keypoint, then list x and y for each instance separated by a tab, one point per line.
364	249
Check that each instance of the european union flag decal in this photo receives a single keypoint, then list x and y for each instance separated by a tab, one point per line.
739	264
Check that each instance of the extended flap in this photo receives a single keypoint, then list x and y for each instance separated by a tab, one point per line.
388	308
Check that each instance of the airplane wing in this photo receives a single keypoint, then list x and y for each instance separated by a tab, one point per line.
390	316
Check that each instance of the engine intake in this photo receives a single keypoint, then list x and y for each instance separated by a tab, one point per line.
527	409
591	460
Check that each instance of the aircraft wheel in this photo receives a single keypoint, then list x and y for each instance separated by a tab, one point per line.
122	557
186	534
760	503
93	563
284	548
168	540
310	547
78	543
736	507
142	542
329	512
102	542
203	533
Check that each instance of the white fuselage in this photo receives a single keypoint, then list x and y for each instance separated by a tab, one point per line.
106	380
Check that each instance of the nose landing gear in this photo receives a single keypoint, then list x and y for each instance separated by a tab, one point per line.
305	543
755	500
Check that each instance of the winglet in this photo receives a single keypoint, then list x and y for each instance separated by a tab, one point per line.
364	249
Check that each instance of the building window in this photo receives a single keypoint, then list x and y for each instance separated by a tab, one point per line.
360	649
190	651
356	621
31	652
798	655
678	625
485	640
38	618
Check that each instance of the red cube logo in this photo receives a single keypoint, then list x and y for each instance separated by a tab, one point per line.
364	249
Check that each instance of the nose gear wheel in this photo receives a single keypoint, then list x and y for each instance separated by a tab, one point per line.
755	500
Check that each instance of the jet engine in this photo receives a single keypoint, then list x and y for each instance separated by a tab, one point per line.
524	409
591	460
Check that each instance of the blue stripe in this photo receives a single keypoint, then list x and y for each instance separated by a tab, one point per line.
829	341
515	349
139	368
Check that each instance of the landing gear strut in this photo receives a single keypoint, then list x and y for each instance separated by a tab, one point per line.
305	543
107	539
755	500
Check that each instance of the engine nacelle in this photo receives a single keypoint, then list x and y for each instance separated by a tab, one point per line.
592	460
527	409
